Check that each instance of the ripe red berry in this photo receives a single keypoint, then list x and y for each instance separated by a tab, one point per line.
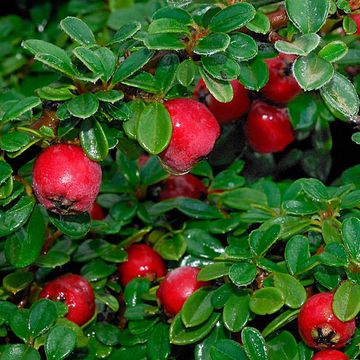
268	128
318	325
183	185
177	286
225	112
282	86
356	18
76	292
143	261
96	212
330	355
65	181
194	133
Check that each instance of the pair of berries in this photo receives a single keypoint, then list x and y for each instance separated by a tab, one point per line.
267	128
177	285
321	329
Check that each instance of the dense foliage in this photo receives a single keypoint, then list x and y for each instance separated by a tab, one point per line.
266	228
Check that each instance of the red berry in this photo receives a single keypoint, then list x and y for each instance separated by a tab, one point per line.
268	128
282	86
96	212
318	325
76	292
225	112
177	286
65	181
356	18
194	133
143	261
183	185
330	355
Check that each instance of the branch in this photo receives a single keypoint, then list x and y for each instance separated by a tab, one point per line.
278	19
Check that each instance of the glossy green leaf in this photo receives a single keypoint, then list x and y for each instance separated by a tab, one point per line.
11	142
55	93
301	46
97	269
158	346
166	72
351	236
171	248
283	347
5	171
132	64
154	128
19	352
17	281
303	112
312	72
221	66
261	241
214	271
242	47
20	108
75	226
254	344
242	273
221	90
185	72
60	342
42	315
211	44
78	30
83	106
254	74
165	42
280	321
180	335
236	311
23	248
167	25
266	301
259	24
197	308
308	15
93	140
232	17
333	51
51	55
171	12
356	138
346	303
297	253
125	32
341	95
226	349
294	292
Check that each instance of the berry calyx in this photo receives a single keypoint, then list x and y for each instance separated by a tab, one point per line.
268	128
143	261
76	292
225	112
194	133
282	86
65	180
96	212
318	325
177	286
356	18
182	186
330	355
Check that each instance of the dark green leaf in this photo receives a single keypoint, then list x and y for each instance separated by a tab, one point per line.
283	347
83	106
60	342
75	226
346	303
308	15
225	349
242	273
42	315
214	271
267	300
254	74
19	352
254	344
167	25
259	24
341	95
185	72
242	47
154	128
78	30
132	64
97	269
125	32
261	241
158	346
17	281
302	46
165	42
312	72
93	140
221	66
212	44
20	108
232	17
166	72
333	51
236	311
351	236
